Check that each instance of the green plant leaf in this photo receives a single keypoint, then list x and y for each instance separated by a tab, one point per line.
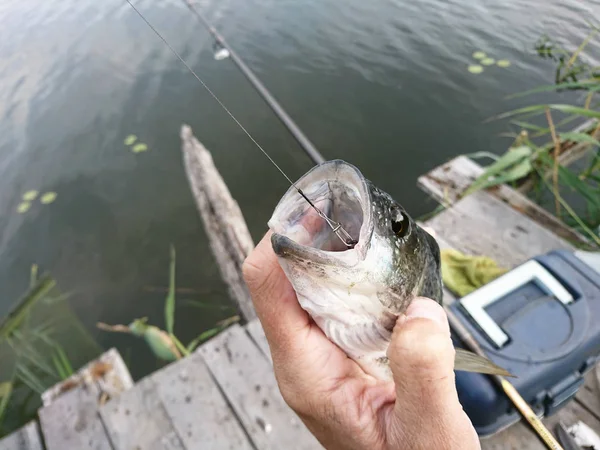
202	337
567	109
30	379
30	196
579	137
6	388
529	126
130	139
513	157
595	237
572	181
23	207
479	54
139	147
184	351
17	316
62	363
170	301
475	69
591	85
48	198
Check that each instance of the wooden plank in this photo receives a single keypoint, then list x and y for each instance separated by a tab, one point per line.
589	394
522	437
447	183
224	224
246	377
72	421
257	334
69	417
25	438
137	419
483	225
108	372
196	407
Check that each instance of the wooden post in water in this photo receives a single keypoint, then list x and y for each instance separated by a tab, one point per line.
226	229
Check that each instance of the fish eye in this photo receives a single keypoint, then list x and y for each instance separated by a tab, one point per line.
400	225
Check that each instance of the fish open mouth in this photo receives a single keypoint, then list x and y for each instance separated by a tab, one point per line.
339	191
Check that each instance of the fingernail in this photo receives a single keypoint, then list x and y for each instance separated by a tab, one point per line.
424	308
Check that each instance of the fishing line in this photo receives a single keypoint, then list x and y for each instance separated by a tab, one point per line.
336	227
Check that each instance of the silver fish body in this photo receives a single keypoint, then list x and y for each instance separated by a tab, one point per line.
354	294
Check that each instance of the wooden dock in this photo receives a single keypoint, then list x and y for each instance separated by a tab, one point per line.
224	396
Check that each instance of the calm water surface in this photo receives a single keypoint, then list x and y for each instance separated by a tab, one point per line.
381	84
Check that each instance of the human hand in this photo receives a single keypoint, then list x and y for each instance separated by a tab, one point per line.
340	404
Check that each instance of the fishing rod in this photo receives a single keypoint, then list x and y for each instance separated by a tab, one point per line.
336	227
300	137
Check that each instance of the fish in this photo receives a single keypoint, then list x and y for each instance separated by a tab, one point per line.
355	291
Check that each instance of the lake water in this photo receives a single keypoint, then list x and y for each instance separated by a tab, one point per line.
383	85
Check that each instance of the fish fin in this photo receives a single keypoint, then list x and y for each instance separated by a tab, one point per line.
471	362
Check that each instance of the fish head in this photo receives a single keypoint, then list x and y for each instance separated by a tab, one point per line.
393	259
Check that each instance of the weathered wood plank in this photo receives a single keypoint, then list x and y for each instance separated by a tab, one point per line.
226	229
257	334
69	418
522	437
72	421
25	438
446	183
137	419
246	377
483	225
589	394
199	412
108	372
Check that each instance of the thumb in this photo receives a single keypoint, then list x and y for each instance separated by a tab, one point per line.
421	358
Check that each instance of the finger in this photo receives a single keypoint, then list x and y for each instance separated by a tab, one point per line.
421	357
273	296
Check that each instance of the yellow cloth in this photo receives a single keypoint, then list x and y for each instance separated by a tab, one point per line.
462	274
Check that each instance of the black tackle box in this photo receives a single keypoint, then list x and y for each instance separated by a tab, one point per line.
540	321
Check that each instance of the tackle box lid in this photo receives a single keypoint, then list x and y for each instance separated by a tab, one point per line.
540	321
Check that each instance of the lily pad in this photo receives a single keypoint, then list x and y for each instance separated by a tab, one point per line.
488	61
48	197
140	147
129	140
475	68
479	55
503	63
23	207
30	195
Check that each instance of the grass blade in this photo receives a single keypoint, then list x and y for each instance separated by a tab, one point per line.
62	362
513	157
170	301
5	392
184	351
577	52
579	137
529	126
567	109
571	212
589	84
202	337
16	317
30	379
